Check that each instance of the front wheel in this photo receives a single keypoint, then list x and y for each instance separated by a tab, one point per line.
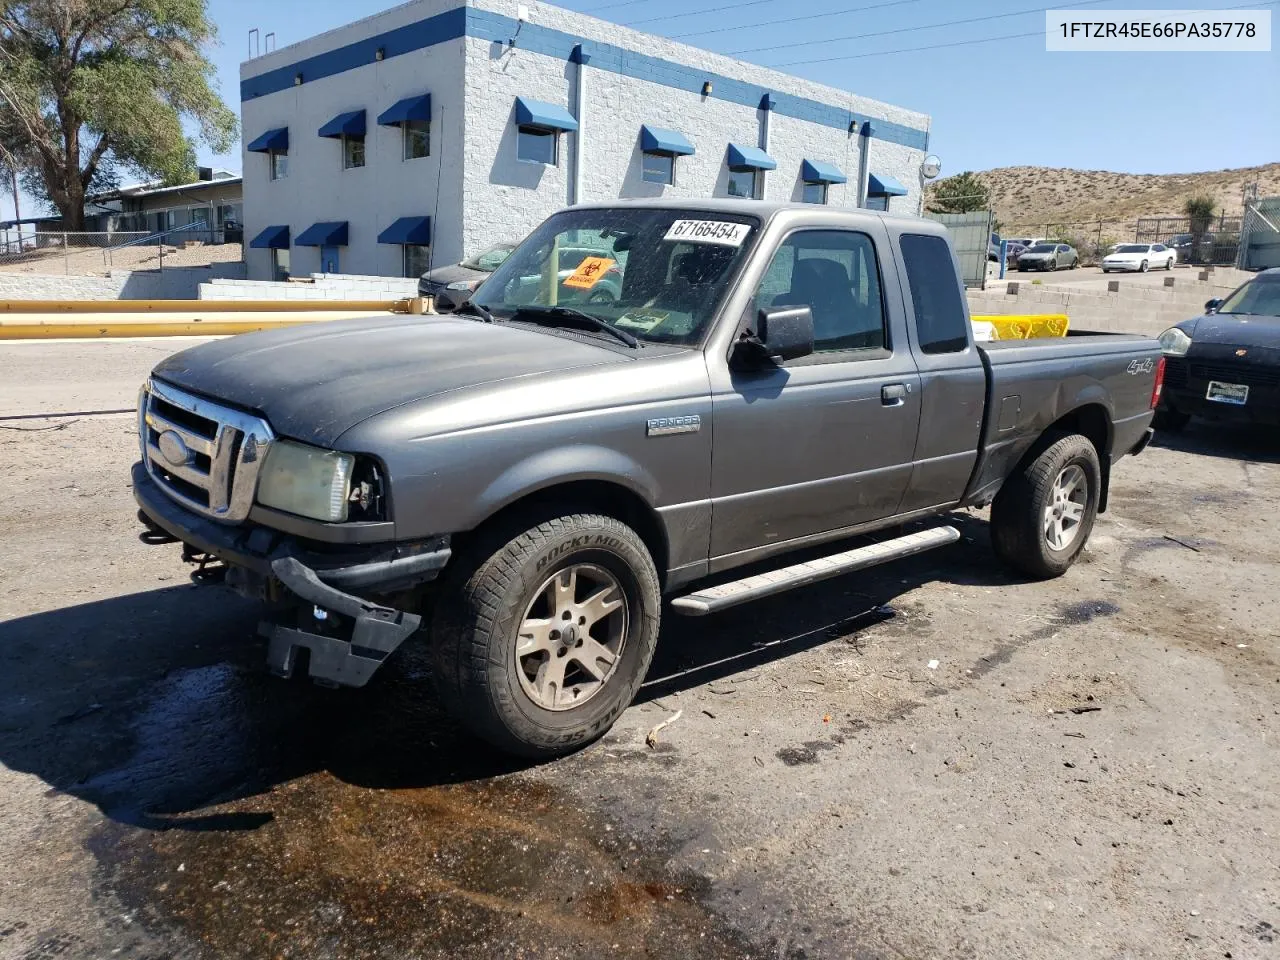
1042	516
1144	267
540	640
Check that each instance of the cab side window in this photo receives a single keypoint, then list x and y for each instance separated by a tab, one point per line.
936	295
836	275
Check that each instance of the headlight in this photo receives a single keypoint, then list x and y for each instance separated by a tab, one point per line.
462	285
305	480
1175	342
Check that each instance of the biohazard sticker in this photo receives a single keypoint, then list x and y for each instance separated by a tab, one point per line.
589	272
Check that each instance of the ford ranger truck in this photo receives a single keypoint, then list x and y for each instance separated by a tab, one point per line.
527	481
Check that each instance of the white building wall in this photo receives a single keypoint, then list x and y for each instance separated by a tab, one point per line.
504	198
387	187
486	194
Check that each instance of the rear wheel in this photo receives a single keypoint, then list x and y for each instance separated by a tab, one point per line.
1044	513
1168	264
541	638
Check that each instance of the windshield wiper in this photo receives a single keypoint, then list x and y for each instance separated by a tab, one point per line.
471	308
568	316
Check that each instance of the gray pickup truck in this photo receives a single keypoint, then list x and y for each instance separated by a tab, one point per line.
526	479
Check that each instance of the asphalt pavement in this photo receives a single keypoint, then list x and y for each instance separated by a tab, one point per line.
931	759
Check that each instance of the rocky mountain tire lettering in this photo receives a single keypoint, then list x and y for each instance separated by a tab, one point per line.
599	540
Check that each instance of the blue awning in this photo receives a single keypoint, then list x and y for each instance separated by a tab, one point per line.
410	108
345	125
882	185
277	140
408	230
816	171
660	140
550	116
272	238
326	234
750	158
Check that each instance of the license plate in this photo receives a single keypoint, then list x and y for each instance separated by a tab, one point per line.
1237	393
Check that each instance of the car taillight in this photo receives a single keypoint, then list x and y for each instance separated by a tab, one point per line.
1155	391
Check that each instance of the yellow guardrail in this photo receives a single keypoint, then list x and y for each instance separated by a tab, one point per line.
208	306
1024	326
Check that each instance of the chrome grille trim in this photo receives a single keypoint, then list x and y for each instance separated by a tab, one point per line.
235	453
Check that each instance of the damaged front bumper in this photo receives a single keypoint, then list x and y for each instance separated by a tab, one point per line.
350	636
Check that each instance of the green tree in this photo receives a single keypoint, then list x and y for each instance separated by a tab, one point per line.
91	86
959	194
1199	211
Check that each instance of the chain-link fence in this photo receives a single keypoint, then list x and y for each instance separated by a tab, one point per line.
1260	235
83	253
1215	240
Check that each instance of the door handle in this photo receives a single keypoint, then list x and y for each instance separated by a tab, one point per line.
894	394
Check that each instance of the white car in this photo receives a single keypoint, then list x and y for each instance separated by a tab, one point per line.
1140	257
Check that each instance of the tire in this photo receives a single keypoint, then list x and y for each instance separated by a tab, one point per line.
1105	270
1144	267
1168	264
1020	513
1170	421
504	582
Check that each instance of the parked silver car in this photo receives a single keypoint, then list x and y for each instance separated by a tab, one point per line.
1049	256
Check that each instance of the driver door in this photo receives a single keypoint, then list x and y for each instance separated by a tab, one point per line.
824	442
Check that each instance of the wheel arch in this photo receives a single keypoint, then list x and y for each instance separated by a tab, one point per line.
602	493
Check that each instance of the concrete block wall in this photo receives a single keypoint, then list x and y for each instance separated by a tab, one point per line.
178	283
324	286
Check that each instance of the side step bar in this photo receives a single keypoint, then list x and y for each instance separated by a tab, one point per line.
715	599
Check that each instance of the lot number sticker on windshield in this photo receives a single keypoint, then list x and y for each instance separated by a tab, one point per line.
589	272
709	231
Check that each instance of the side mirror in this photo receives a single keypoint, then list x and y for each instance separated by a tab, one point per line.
1210	306
784	333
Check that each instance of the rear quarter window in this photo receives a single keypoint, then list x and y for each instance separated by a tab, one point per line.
935	294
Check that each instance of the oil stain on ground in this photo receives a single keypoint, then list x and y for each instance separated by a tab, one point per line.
324	842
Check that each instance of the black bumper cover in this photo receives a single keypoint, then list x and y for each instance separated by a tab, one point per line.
315	575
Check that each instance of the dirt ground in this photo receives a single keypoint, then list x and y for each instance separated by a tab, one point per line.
1089	769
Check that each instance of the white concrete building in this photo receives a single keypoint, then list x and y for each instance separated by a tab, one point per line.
448	126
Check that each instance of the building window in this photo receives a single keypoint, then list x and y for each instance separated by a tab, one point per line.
417	138
416	259
814	193
280	263
352	152
538	145
658	168
742	183
878	201
279	164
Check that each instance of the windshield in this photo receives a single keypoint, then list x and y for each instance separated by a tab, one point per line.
658	274
1133	248
1042	248
1257	297
489	260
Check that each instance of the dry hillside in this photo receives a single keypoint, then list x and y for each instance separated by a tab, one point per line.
1033	195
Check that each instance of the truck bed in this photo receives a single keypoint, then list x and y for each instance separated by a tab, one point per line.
1107	379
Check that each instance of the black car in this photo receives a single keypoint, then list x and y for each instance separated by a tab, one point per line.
451	285
1225	365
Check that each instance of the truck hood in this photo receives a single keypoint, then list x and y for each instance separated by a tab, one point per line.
314	382
1234	329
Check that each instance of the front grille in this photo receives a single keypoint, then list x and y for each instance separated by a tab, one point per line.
1254	376
1175	372
202	454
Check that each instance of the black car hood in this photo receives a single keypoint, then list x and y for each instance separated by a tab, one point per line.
1234	329
314	382
454	272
